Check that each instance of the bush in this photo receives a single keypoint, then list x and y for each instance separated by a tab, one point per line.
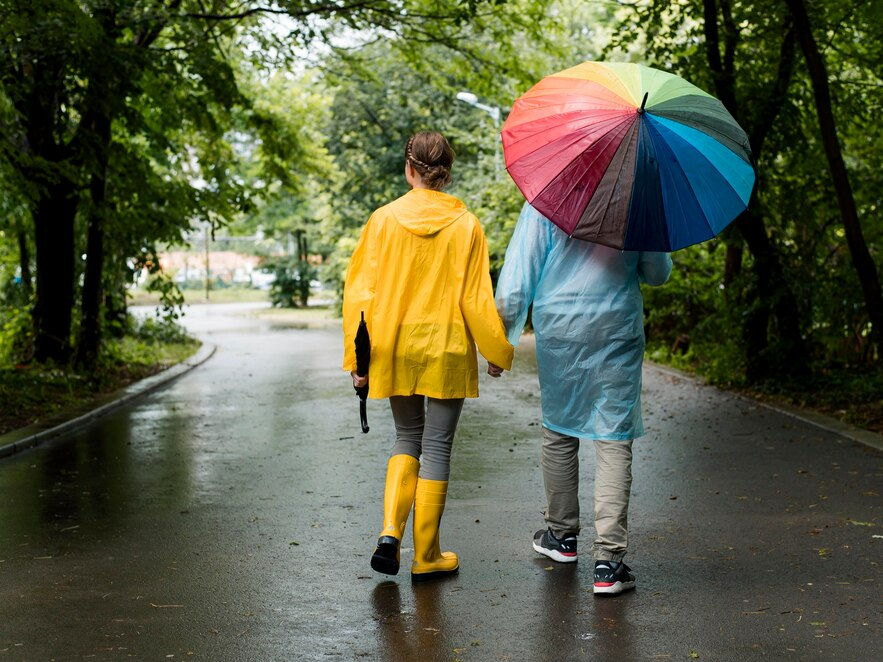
156	330
291	289
16	336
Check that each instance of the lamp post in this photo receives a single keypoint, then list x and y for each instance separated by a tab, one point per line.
207	266
494	112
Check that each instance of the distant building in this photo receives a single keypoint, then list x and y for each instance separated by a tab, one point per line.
224	266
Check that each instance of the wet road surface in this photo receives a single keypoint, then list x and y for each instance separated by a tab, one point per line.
231	516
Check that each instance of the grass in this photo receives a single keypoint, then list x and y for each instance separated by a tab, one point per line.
317	315
139	297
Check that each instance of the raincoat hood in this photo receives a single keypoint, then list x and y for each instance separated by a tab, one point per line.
425	212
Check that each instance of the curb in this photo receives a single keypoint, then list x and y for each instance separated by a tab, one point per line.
68	421
823	421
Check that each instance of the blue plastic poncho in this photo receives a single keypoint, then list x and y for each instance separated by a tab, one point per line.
588	320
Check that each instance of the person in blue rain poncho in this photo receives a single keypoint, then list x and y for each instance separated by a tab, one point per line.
588	319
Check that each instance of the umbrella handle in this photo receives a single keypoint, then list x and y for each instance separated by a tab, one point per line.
363	415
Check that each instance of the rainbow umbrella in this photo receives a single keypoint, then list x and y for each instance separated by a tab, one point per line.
628	156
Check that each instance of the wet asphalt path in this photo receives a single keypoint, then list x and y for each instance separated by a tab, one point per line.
231	516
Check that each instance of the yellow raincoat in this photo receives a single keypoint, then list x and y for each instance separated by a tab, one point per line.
421	274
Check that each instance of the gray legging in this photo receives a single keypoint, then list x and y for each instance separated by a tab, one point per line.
426	426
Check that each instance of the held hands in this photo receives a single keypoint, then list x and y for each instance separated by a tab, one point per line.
494	370
359	382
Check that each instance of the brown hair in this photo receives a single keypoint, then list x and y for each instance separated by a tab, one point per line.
430	154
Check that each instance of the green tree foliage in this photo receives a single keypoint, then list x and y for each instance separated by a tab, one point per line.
792	298
124	123
385	91
129	110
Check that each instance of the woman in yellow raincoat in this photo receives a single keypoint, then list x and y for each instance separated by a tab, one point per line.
420	273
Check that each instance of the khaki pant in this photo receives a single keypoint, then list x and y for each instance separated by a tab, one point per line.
613	483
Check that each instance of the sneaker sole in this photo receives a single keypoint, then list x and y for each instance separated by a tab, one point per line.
614	588
555	555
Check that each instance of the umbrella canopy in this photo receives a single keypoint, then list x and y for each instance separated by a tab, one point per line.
628	156
363	361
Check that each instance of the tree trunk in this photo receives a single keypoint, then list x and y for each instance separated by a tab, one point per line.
90	323
858	248
772	292
24	261
54	233
732	263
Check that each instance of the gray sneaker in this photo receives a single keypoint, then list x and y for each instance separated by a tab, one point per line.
562	549
612	577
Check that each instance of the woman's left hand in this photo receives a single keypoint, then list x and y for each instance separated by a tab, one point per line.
359	382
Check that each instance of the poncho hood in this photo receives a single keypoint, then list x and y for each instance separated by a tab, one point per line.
425	212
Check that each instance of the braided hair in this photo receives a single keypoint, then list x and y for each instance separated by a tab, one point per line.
430	154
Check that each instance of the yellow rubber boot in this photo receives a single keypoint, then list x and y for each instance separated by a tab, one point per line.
401	482
429	560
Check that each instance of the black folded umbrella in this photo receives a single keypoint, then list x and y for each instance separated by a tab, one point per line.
363	360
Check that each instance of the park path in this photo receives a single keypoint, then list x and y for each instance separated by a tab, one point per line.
231	516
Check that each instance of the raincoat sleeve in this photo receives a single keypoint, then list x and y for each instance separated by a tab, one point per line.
477	305
358	291
654	268
522	268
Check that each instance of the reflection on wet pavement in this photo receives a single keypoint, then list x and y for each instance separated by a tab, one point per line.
231	516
